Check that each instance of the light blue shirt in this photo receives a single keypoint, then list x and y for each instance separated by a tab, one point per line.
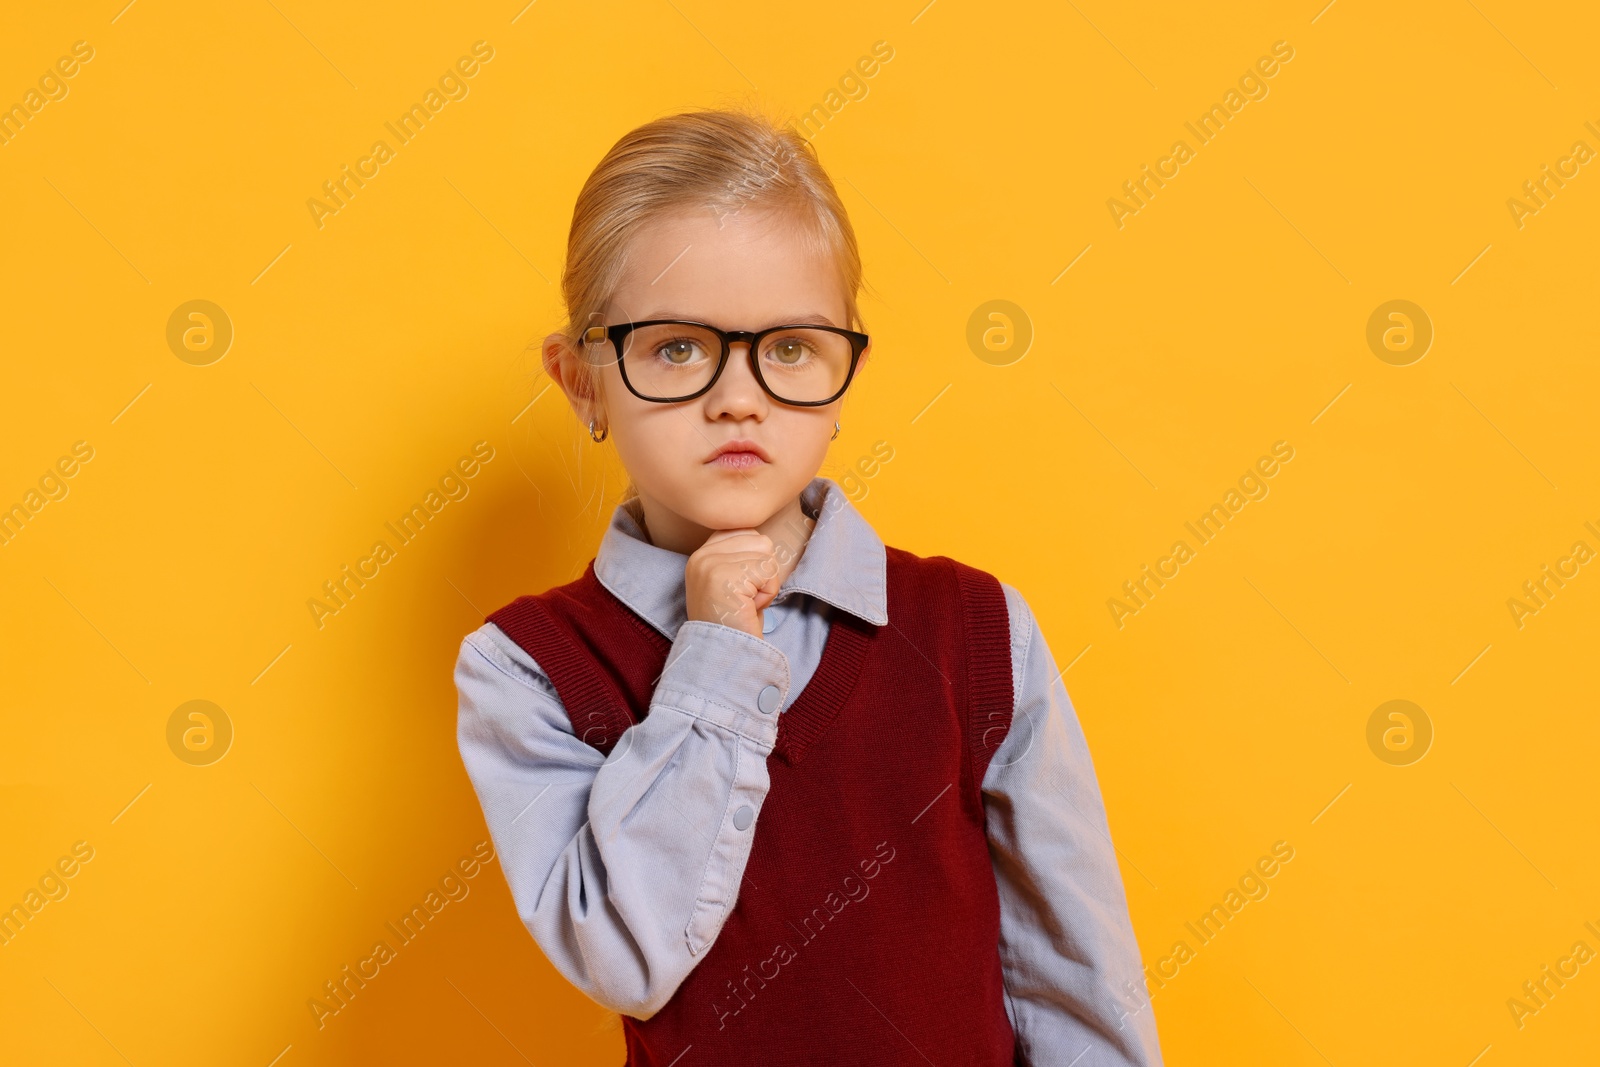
624	866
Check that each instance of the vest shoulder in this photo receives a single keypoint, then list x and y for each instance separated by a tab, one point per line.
933	580
935	568
581	589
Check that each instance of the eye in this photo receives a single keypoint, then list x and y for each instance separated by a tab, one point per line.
680	352
789	351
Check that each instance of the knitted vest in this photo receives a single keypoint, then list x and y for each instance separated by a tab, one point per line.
866	928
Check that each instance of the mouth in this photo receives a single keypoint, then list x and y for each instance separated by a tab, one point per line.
738	455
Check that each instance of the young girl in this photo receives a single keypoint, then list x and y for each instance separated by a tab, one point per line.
772	790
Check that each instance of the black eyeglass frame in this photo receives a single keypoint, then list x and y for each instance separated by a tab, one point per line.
618	333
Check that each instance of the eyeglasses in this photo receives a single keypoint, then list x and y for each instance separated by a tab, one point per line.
671	360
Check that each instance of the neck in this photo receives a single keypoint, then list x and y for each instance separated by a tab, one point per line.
789	528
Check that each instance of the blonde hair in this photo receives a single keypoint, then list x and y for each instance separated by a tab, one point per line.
720	160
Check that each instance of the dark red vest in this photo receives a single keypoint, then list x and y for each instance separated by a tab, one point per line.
867	925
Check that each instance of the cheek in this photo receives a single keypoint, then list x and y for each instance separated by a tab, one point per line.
802	435
653	439
662	446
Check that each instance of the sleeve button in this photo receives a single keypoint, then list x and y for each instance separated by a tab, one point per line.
742	817
768	700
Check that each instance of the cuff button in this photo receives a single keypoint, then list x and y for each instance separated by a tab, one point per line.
768	700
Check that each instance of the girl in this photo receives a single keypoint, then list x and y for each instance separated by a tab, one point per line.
772	790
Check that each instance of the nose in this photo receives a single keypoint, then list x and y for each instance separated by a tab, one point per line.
737	394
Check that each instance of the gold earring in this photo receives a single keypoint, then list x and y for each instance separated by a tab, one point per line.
603	433
835	431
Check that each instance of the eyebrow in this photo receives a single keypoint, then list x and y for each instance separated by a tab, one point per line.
794	320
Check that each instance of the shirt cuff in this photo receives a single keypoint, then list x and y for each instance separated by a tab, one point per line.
727	677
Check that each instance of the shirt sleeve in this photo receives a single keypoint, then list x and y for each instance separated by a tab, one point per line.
1073	975
624	866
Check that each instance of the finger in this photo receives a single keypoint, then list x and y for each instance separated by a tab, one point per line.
755	558
723	539
751	584
738	595
724	535
759	574
752	563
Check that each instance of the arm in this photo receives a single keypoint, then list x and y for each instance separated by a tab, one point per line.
623	867
1073	976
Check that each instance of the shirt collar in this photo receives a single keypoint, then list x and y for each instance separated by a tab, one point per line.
843	562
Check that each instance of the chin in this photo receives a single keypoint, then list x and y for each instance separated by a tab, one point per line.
735	517
730	508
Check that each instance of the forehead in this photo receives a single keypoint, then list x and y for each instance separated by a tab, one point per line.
742	270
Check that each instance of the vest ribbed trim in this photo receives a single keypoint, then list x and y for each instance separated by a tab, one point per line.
829	689
597	708
990	698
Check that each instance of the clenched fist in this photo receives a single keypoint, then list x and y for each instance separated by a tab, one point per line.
731	578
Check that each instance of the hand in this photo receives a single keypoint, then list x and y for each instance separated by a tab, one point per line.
731	578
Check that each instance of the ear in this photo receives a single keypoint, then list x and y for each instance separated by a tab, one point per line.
563	362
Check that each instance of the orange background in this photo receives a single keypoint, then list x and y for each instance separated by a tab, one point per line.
1228	313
